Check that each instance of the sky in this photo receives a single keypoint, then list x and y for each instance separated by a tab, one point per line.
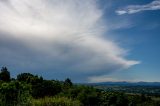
85	40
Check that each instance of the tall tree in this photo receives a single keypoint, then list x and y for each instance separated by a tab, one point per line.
4	74
68	82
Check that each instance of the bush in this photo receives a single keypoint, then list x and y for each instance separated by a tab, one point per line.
55	101
14	93
46	88
88	96
113	99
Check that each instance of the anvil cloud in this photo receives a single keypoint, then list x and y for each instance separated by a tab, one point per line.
58	36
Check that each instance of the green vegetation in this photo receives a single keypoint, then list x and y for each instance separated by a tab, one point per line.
32	90
55	101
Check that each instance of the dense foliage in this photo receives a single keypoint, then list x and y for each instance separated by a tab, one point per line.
4	75
55	101
31	90
14	93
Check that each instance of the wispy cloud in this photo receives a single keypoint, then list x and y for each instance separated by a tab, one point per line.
131	9
63	36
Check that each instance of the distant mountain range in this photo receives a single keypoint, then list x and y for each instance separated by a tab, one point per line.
124	83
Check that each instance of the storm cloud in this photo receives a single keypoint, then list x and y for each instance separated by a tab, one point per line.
58	37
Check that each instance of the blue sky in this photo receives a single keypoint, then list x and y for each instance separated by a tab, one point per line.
87	40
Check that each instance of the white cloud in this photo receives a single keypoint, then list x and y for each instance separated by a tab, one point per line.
131	9
68	33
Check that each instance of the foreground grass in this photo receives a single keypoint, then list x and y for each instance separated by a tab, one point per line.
55	101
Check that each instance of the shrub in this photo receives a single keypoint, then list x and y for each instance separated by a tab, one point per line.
55	101
14	93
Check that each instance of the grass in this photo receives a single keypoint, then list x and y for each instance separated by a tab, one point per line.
55	101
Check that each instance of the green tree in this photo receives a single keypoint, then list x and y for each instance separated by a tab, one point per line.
4	74
29	78
67	84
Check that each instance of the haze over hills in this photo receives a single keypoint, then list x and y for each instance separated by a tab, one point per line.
125	83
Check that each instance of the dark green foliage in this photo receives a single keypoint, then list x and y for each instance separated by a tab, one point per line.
46	88
88	96
4	74
138	99
40	87
29	78
67	84
14	93
24	77
113	99
55	101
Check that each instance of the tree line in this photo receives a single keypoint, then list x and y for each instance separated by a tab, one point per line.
33	90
